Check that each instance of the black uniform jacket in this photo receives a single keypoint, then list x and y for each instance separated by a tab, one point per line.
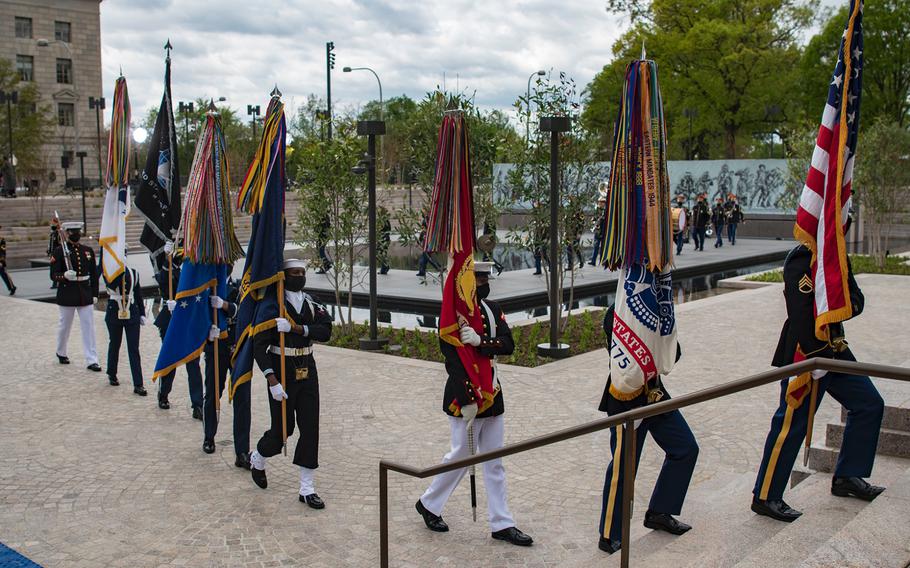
495	340
700	215
319	327
718	215
126	284
612	405
799	328
82	260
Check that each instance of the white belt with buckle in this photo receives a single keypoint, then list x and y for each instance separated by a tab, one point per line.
291	351
81	279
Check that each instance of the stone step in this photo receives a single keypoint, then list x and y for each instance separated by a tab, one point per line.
821	458
894	418
878	536
890	442
822	518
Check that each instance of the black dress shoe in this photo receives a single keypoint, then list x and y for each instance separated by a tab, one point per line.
312	500
665	522
112	379
94	367
609	546
855	487
63	360
259	477
432	521
163	403
514	536
208	446
243	460
140	390
777	510
197	413
13	291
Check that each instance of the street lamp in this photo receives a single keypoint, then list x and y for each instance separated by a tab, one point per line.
329	65
98	105
771	112
381	107
254	112
371	129
186	109
81	155
540	73
554	125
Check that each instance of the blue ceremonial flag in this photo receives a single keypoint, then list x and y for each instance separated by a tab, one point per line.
262	195
192	318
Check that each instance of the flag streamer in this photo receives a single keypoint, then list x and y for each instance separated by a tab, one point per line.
118	146
207	223
636	224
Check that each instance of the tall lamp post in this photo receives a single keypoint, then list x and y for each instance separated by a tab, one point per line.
554	125
98	105
186	109
81	155
771	112
329	65
371	129
254	112
540	73
381	105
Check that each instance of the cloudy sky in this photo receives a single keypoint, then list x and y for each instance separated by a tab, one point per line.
240	49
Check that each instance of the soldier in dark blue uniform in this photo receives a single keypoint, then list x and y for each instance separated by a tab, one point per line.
75	271
305	323
193	371
125	313
675	438
241	400
459	404
788	425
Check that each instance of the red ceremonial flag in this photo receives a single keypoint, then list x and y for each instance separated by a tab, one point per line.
450	228
825	200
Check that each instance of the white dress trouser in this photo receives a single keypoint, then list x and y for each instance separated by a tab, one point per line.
488	435
86	322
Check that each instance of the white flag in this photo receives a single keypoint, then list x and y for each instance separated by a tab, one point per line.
113	232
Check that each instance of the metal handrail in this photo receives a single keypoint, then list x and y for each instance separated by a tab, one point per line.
627	419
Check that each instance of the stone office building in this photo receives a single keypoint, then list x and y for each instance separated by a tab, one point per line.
57	45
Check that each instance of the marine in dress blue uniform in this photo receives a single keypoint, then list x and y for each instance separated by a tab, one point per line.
675	438
241	400
193	371
788	425
125	314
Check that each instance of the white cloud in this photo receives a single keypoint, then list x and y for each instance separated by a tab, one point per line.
240	50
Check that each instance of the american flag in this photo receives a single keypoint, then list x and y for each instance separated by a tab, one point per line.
825	200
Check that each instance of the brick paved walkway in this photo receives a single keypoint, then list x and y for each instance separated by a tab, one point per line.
92	475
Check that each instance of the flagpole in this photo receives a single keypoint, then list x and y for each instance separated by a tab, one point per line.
170	275
284	401
215	394
473	472
813	398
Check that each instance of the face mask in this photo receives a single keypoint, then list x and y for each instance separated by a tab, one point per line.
483	290
295	283
74	237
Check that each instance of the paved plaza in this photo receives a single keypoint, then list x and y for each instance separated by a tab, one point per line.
92	475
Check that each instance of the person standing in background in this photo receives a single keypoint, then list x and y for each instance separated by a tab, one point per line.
700	217
718	218
734	214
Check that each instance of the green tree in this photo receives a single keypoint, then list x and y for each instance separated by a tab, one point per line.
733	62
886	65
882	181
32	124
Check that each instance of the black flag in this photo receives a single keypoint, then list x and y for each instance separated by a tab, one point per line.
158	197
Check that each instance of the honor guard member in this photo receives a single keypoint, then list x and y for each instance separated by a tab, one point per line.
734	216
305	323
700	217
488	425
718	218
52	243
789	424
75	271
241	400
675	438
125	313
193	371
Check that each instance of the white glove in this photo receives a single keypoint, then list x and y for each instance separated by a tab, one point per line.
306	330
216	302
95	299
169	247
283	325
143	320
469	413
214	332
818	373
469	336
278	392
171	305
70	275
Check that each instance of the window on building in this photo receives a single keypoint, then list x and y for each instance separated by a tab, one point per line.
24	27
66	114
65	71
62	31
25	65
